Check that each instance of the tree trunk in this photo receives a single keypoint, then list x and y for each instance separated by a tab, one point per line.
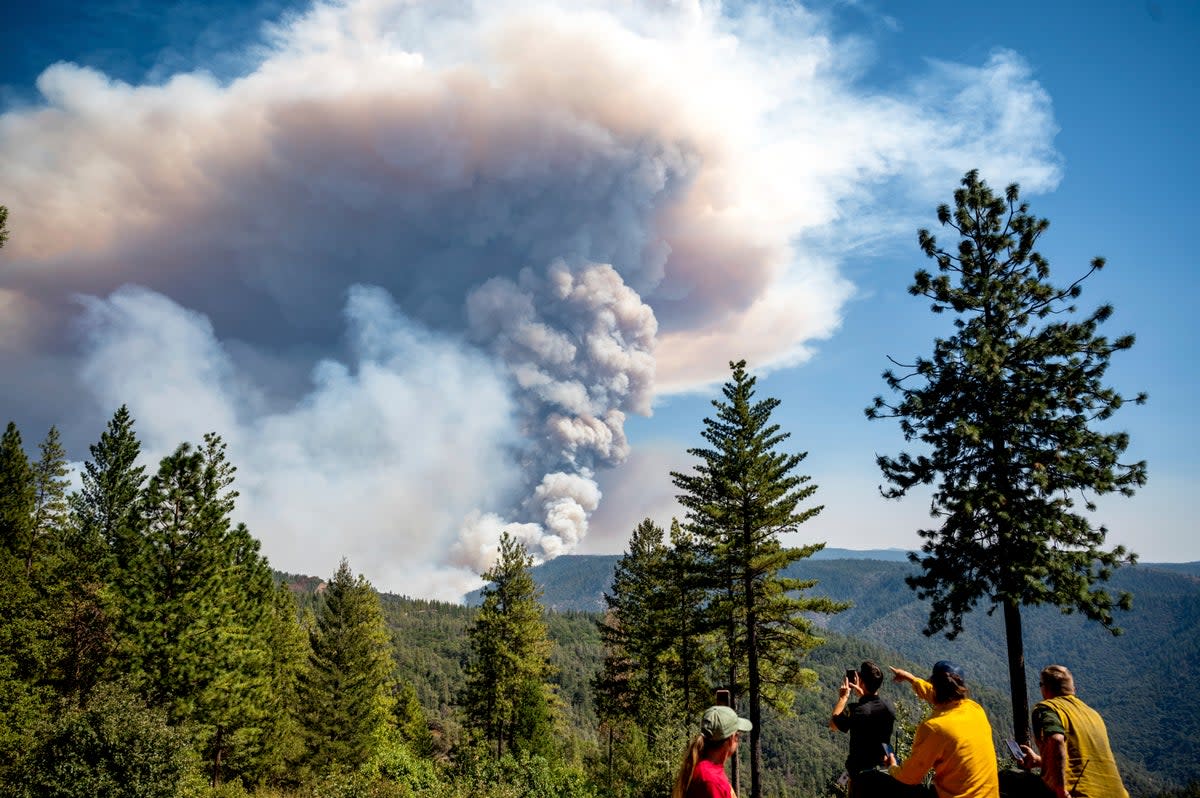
731	631
1016	671
216	771
755	708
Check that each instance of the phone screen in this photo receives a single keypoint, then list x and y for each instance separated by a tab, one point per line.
851	675
1015	750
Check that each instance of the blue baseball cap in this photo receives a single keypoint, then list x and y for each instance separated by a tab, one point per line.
946	666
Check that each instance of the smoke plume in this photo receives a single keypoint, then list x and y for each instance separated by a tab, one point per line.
421	260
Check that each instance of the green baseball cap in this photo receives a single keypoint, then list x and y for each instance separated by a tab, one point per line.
719	723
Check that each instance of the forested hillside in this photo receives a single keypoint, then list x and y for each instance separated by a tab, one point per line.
1132	679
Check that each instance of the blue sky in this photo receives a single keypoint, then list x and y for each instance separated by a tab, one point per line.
435	270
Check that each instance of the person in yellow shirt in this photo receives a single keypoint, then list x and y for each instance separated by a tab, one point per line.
955	742
1076	758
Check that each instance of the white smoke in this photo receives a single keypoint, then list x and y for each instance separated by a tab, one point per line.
562	207
378	461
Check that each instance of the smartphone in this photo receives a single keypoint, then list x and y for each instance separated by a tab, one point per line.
851	675
887	750
1015	750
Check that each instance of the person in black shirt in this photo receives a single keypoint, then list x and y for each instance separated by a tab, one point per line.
869	722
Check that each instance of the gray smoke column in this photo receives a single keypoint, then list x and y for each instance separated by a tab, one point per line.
579	344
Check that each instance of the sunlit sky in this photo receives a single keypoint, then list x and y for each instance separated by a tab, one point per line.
435	270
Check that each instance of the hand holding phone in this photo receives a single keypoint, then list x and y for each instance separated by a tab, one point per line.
851	675
1015	750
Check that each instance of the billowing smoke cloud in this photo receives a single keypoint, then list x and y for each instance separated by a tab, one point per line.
380	460
560	208
580	347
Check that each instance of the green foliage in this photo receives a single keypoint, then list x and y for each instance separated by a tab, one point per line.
25	633
346	692
412	725
18	502
105	507
114	746
634	681
195	599
508	700
520	776
281	738
1006	405
743	496
652	682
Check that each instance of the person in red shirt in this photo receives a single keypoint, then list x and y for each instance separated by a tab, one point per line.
702	774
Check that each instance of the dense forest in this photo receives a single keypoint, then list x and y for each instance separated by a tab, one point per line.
150	650
147	648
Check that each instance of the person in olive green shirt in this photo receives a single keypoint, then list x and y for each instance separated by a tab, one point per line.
955	742
1076	758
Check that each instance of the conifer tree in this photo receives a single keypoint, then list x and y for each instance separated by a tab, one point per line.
23	630
412	723
196	596
99	541
507	699
1005	409
652	635
687	623
105	507
633	679
50	499
288	649
346	692
743	495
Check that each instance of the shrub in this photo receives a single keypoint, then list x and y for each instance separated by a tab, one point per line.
114	746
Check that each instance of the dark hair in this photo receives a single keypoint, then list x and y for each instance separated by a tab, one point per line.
871	675
948	687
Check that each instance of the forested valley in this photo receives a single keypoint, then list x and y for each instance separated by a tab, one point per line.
149	649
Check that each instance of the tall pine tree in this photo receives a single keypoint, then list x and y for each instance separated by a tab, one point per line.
100	542
196	597
50	500
346	693
742	497
24	633
633	680
282	730
1006	408
105	507
507	699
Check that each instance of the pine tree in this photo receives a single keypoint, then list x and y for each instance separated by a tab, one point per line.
507	699
98	545
412	724
50	500
346	692
105	507
633	679
743	496
652	674
688	623
288	647
1005	407
195	602
23	630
